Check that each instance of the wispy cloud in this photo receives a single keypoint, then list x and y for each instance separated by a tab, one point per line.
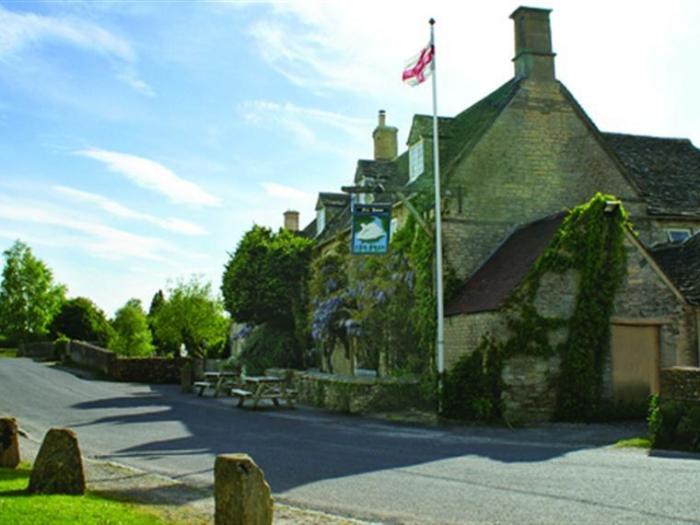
311	127
20	30
130	79
153	176
114	208
292	196
101	241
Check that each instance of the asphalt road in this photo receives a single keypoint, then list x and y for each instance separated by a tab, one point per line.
363	467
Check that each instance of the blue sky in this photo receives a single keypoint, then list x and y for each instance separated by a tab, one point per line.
140	140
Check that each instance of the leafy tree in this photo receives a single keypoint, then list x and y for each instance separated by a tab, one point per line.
132	334
156	303
192	316
81	319
28	296
265	279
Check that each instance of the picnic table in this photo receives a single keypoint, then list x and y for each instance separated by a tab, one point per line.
218	381
264	387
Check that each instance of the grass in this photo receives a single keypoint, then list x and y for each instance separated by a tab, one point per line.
8	352
637	442
19	508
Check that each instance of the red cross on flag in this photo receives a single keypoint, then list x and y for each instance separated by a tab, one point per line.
419	67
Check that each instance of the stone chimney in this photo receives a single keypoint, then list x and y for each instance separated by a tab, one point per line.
534	58
291	220
385	143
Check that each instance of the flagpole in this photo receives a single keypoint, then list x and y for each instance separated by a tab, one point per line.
440	349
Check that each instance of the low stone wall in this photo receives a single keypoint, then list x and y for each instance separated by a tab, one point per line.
43	350
146	370
355	395
529	393
127	369
91	356
680	383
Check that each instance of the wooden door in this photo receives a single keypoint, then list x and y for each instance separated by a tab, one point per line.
635	362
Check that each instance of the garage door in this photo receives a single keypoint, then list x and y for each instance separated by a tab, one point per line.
635	353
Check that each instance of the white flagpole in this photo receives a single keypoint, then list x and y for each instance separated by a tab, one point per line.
440	349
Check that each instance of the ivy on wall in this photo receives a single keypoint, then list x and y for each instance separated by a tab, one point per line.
590	243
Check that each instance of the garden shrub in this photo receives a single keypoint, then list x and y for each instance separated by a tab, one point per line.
674	424
269	346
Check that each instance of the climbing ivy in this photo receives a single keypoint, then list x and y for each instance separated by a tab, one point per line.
589	242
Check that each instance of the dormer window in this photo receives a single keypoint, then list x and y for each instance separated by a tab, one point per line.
320	220
416	161
678	235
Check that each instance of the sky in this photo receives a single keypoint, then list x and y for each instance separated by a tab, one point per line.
139	140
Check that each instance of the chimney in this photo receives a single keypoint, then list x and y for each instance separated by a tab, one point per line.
291	220
534	58
385	143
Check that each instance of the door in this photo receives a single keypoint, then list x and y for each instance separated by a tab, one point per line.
635	362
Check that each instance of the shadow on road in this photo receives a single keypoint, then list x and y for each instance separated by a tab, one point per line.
302	446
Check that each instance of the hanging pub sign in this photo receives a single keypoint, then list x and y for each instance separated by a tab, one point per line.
370	228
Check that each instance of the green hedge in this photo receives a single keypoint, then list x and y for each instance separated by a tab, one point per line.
674	424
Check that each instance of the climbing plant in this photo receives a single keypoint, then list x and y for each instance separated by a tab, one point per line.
590	243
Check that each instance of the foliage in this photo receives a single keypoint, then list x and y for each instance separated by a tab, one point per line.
132	334
19	508
156	302
79	318
589	242
674	424
28	296
192	316
472	388
268	346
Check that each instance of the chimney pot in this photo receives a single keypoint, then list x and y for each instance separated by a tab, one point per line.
534	58
385	142
291	220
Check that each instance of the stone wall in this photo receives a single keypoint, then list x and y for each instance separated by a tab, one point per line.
146	370
356	395
42	350
680	383
529	388
90	356
464	333
538	158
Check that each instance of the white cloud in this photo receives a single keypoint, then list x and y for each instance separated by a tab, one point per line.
20	30
312	127
68	229
153	176
292	196
110	206
131	80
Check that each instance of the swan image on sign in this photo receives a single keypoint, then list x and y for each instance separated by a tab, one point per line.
370	232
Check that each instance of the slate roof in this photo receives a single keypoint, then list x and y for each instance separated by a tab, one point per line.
682	265
327	199
667	171
379	171
341	221
491	285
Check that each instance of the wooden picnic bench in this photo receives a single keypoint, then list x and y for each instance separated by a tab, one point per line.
219	381
264	387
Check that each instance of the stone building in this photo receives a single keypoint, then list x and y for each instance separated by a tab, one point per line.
511	164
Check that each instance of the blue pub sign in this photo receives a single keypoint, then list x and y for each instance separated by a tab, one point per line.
370	229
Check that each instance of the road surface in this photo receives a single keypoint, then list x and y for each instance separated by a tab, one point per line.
362	467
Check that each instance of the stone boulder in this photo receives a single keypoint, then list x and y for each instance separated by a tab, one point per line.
58	468
9	444
241	493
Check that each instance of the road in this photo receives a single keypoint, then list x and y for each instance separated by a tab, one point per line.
363	467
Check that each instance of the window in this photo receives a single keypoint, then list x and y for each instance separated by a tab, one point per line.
320	220
678	235
416	162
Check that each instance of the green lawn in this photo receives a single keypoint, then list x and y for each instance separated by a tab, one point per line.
638	442
19	508
8	352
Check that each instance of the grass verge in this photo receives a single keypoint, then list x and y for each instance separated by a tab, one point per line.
19	508
8	352
637	442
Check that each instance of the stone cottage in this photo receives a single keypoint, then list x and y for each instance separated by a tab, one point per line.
511	164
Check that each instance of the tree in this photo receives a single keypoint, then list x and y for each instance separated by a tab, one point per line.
132	334
156	303
192	316
79	318
28	296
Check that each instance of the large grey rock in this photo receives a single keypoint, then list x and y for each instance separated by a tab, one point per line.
58	468
241	493
9	444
